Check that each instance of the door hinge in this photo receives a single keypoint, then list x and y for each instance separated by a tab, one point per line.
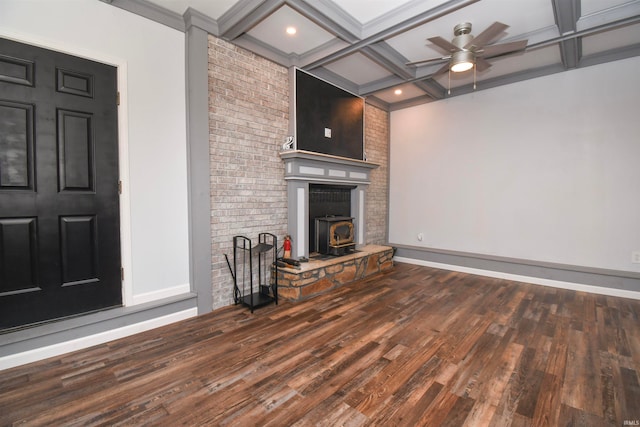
118	99
119	187
121	273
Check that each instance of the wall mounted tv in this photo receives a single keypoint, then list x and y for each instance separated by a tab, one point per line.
326	119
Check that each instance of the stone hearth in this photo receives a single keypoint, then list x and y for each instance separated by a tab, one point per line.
319	276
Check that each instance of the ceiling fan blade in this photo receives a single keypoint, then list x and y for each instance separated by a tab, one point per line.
444	44
425	61
487	36
482	64
502	48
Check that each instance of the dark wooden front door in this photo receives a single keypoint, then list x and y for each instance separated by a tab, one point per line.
59	213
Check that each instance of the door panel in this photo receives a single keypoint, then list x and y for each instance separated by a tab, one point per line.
75	151
75	83
16	146
15	70
79	247
59	202
19	252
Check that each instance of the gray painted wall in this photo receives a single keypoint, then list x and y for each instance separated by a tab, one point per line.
508	173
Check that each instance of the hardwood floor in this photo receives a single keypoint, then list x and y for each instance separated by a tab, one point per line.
413	346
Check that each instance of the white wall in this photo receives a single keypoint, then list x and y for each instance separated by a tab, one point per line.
151	62
546	169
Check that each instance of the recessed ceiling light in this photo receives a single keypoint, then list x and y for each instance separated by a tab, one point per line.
398	91
291	30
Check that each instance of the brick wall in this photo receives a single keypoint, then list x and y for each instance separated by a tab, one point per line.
248	122
377	149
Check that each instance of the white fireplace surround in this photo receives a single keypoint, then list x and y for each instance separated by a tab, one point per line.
305	167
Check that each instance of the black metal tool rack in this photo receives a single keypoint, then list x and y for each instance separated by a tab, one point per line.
266	290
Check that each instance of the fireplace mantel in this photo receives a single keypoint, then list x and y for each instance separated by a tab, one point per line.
303	168
303	165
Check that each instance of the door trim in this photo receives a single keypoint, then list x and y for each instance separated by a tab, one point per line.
123	143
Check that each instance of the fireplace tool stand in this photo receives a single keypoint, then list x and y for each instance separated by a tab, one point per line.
255	290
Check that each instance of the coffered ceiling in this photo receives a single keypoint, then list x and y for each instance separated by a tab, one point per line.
364	45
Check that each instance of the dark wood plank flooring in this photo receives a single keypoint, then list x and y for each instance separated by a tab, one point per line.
413	346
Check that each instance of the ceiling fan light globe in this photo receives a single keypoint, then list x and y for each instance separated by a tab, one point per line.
461	61
461	66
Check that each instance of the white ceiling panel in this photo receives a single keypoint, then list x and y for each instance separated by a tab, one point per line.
588	7
538	14
273	31
407	91
359	69
536	58
612	39
366	10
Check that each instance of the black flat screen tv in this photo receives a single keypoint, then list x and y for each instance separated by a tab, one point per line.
328	119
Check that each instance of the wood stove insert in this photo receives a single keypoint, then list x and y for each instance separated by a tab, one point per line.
335	235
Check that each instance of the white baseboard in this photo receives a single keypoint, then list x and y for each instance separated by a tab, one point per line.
160	294
100	338
526	279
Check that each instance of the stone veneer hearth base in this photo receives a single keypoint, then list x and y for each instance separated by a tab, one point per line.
319	276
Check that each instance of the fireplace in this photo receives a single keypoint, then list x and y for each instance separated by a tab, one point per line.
305	172
334	235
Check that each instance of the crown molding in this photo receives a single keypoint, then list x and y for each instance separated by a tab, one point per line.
150	11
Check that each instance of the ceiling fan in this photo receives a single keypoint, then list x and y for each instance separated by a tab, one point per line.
465	50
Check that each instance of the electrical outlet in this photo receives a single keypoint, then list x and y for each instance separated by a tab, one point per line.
635	257
327	133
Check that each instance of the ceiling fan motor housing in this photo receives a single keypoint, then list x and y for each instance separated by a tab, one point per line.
460	29
462	33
